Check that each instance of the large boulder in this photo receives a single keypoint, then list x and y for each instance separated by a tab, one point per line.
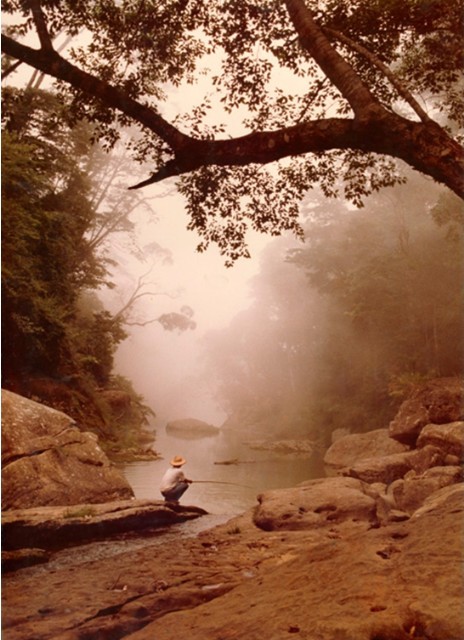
450	494
447	437
313	504
438	401
191	428
349	449
410	493
47	460
386	469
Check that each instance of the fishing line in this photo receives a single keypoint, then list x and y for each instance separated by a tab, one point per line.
221	482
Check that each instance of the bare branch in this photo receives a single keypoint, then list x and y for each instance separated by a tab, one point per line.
311	97
137	294
144	323
11	69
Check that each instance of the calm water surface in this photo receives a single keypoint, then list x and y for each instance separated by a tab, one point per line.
256	472
259	471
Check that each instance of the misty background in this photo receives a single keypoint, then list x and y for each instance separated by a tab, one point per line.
168	368
303	338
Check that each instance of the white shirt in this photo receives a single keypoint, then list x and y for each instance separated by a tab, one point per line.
171	479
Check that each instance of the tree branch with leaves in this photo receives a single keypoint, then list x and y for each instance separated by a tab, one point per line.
345	53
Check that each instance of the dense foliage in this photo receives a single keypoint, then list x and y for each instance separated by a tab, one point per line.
58	341
352	320
318	89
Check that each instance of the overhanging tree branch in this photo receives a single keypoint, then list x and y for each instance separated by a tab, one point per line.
56	66
423	145
374	60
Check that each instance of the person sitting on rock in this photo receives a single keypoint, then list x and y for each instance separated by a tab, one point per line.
174	483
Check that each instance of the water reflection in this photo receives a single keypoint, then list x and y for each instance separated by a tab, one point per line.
257	471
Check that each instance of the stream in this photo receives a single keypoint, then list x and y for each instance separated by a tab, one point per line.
256	471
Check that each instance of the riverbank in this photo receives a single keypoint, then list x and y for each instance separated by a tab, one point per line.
373	552
352	579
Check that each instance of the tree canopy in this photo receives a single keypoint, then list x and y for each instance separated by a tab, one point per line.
329	93
48	260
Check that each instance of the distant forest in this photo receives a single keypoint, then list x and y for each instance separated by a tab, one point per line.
273	116
345	324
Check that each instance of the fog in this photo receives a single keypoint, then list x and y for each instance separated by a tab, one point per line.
167	368
332	339
303	338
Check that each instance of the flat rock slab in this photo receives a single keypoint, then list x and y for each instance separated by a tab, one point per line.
56	527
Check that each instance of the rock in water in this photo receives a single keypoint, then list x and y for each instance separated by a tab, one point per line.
191	428
47	460
56	527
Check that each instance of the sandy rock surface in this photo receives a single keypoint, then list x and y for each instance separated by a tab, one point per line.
374	553
350	580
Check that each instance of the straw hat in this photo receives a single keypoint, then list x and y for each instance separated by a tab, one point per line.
178	461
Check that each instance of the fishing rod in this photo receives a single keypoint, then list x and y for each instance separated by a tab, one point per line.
221	482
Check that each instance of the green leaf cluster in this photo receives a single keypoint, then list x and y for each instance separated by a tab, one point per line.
46	214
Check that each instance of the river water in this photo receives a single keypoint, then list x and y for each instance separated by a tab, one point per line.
256	472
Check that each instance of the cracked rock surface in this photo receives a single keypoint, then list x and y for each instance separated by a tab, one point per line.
350	579
373	553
